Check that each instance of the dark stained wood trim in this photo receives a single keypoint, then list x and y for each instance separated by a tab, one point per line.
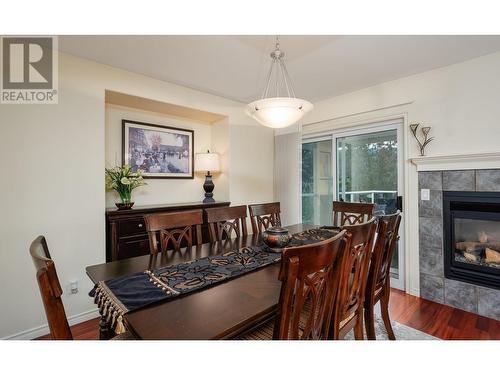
114	240
114	212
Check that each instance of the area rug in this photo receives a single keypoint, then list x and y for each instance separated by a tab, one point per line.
401	332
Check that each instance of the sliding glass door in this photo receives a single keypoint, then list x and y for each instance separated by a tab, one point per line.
367	169
358	165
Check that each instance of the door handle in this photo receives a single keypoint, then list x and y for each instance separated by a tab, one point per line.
399	203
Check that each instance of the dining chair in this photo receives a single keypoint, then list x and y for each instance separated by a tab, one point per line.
351	213
265	215
378	286
348	311
309	278
51	292
224	221
173	227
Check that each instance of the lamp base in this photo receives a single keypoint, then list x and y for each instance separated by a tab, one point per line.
208	186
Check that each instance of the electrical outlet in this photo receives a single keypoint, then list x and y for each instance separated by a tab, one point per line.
425	194
73	287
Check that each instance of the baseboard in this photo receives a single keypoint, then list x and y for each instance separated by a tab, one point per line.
33	333
414	292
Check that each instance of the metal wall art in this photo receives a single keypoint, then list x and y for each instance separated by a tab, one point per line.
425	132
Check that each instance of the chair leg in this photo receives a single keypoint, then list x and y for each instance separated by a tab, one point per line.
358	328
370	322
384	307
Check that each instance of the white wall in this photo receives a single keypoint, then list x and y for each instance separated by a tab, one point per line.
251	171
288	176
461	104
53	180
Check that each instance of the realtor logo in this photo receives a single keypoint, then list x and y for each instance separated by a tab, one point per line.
29	70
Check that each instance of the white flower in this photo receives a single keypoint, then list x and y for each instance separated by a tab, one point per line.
125	181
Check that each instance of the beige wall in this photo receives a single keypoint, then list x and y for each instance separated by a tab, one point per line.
222	146
53	180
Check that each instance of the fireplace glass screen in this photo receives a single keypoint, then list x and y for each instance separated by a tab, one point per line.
471	226
477	242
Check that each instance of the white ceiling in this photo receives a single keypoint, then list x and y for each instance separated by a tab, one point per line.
235	67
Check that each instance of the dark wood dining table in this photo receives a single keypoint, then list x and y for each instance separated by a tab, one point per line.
221	311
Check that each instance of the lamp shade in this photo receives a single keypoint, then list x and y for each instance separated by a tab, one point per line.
204	162
278	112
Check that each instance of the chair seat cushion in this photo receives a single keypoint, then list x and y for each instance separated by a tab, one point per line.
262	332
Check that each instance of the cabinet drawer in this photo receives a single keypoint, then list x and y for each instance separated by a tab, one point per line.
131	227
132	248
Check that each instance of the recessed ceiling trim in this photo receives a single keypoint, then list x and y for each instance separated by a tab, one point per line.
150	105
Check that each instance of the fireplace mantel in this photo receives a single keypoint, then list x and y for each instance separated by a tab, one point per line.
490	160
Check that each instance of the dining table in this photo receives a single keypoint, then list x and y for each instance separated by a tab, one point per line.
220	311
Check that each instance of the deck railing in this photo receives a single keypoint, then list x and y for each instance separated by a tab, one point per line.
350	196
370	194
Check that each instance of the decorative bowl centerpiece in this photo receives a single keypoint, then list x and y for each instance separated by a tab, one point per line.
276	237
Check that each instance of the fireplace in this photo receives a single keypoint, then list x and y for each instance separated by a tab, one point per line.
472	237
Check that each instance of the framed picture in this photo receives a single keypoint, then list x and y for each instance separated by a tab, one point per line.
159	151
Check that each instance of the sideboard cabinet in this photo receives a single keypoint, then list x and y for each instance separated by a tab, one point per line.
126	234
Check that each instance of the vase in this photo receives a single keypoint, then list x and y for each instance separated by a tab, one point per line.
124	205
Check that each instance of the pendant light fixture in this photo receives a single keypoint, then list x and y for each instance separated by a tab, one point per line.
283	109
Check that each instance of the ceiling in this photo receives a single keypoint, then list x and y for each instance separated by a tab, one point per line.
235	67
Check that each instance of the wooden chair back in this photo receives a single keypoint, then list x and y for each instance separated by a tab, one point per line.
310	278
353	278
379	281
223	222
387	240
173	227
263	216
50	289
349	213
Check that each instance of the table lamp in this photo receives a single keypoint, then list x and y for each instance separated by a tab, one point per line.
207	162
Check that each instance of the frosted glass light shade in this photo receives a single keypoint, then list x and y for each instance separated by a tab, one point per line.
278	112
204	162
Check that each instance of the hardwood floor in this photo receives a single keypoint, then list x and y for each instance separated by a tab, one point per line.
444	322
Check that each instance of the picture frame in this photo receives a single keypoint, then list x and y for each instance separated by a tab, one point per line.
159	151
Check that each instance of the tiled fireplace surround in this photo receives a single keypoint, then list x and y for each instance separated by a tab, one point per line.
433	285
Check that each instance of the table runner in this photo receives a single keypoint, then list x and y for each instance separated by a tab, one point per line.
120	295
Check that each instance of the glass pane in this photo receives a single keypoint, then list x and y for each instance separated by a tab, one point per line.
477	242
367	167
317	183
